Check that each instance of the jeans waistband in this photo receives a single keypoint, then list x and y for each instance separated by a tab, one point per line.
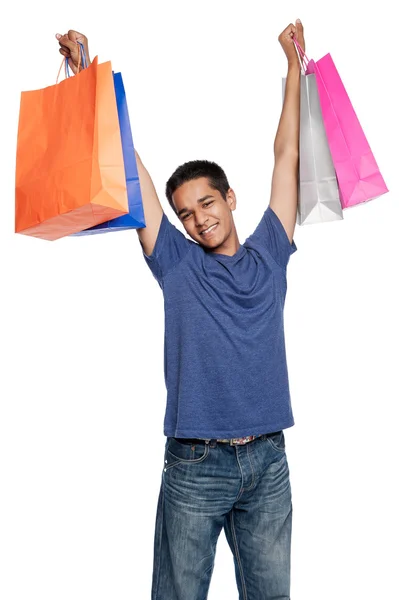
232	441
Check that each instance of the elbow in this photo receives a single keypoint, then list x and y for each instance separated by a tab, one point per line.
287	155
286	151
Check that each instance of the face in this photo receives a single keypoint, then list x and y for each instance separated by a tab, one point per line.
200	207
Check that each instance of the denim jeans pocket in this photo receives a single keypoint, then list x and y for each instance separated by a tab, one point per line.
277	440
177	452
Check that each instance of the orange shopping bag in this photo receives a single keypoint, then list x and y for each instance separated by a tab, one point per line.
70	172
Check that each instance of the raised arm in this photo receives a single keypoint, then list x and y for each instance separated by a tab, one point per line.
152	207
284	192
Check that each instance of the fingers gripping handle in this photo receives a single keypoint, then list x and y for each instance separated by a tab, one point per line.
65	62
82	56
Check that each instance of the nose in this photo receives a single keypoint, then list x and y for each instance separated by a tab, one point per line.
200	222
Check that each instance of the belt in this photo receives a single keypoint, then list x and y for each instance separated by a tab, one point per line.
232	441
239	441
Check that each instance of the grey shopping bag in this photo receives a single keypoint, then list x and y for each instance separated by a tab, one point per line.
318	188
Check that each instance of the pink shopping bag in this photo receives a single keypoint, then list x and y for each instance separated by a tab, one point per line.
358	175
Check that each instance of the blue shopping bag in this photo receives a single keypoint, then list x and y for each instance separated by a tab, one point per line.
135	218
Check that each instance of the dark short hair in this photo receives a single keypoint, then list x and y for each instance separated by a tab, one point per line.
194	169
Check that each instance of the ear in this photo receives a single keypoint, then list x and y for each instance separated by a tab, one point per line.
231	199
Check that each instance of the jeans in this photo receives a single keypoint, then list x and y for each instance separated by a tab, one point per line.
207	487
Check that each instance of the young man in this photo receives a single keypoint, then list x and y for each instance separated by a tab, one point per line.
228	400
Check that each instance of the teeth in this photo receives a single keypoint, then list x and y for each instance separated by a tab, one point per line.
209	229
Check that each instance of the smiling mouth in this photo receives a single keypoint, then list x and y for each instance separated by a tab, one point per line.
209	231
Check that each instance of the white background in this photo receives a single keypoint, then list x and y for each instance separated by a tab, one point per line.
82	388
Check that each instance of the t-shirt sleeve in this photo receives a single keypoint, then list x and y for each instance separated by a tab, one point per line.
170	248
271	235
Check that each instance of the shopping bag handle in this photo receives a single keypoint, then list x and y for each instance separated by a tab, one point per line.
304	59
82	56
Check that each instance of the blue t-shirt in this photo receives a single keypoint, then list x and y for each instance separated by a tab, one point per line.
224	355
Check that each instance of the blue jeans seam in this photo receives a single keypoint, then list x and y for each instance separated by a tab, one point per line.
252	469
160	547
242	477
244	588
244	489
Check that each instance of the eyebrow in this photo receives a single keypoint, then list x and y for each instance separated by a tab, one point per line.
198	202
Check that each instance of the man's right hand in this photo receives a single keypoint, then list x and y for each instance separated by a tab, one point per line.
70	48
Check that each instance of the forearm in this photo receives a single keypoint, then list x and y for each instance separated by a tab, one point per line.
287	136
146	183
